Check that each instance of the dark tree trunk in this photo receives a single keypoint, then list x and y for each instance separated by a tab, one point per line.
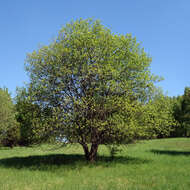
92	154
86	151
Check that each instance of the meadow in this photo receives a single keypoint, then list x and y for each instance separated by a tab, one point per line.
161	164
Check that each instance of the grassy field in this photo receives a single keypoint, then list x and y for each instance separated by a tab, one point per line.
157	164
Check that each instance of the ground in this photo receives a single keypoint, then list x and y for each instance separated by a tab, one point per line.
157	165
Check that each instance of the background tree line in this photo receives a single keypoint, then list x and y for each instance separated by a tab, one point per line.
20	118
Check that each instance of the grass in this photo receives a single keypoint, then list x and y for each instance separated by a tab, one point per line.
162	164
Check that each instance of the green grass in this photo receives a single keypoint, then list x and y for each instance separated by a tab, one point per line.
157	164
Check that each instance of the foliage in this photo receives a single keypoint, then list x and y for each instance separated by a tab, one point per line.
159	114
9	129
185	118
95	82
182	113
113	150
31	118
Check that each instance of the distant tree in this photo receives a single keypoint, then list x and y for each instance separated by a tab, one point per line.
182	113
95	82
179	130
186	110
9	128
32	119
160	114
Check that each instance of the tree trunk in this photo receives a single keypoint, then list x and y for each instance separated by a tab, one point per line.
92	154
86	151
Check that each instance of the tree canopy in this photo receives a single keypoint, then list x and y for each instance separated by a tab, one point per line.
96	84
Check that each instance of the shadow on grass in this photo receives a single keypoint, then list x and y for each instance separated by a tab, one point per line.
171	152
72	161
4	148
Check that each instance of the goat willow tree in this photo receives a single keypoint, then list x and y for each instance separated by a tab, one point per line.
94	81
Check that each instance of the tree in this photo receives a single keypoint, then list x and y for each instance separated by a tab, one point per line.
186	110
182	113
94	81
9	128
159	113
31	118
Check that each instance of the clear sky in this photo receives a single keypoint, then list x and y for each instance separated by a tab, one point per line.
163	27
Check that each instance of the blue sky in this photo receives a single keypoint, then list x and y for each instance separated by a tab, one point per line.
162	26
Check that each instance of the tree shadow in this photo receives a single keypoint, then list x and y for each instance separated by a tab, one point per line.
4	148
171	152
55	161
